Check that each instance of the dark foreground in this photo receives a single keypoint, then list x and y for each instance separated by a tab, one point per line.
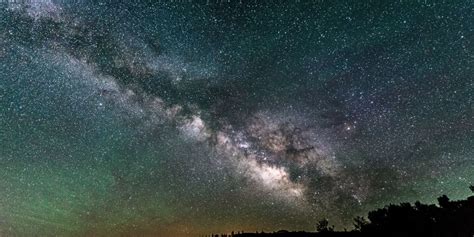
299	234
448	218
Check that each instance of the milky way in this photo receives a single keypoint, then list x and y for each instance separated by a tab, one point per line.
185	118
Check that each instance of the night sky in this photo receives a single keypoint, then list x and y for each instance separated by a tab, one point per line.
193	117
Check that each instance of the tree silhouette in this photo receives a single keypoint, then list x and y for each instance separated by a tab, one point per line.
359	223
443	201
323	226
449	218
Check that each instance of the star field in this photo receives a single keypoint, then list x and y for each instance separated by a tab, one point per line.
185	118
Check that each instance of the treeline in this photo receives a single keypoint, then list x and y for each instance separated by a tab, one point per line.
448	218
